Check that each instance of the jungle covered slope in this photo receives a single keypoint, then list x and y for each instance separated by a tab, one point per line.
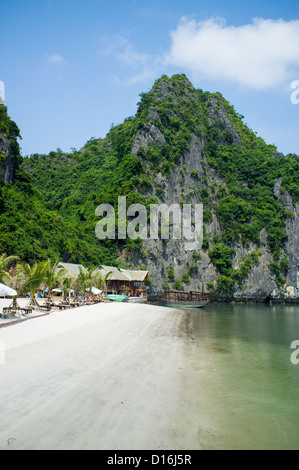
183	145
27	227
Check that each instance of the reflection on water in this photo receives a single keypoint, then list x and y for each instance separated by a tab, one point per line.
241	362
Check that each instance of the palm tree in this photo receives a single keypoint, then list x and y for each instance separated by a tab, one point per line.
66	283
100	281
87	279
76	285
16	281
4	262
35	276
53	276
84	281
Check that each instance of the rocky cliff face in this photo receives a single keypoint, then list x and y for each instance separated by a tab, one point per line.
260	286
6	160
185	146
9	147
170	261
291	248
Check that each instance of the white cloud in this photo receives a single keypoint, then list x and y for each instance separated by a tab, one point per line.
260	55
130	56
141	66
56	59
123	50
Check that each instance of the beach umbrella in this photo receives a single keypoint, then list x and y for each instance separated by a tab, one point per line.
96	291
7	291
56	290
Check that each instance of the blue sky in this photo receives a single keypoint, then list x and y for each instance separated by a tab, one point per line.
71	68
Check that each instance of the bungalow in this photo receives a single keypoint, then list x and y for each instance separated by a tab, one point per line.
72	269
123	280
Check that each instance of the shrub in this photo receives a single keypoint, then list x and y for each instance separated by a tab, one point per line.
193	269
171	273
221	257
186	278
196	256
210	286
178	285
225	285
284	265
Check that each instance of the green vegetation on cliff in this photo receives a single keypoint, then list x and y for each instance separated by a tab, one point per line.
50	211
10	131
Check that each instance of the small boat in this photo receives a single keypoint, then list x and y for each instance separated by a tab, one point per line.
117	298
182	299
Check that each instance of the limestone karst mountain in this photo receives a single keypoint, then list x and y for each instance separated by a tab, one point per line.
183	145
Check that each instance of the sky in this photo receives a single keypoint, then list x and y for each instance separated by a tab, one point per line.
72	68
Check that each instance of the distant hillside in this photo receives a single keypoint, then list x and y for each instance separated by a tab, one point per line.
28	229
183	145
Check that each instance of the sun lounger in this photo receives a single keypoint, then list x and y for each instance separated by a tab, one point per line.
27	310
45	307
63	306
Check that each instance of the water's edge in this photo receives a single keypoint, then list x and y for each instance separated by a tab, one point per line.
239	387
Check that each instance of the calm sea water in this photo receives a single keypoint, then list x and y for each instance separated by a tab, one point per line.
242	363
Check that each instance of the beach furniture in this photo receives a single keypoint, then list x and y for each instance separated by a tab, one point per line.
15	309
33	304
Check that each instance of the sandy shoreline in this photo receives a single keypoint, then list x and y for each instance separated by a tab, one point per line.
107	376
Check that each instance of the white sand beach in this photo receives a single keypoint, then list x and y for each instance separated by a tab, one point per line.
105	376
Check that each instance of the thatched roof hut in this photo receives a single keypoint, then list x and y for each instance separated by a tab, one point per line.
72	269
123	279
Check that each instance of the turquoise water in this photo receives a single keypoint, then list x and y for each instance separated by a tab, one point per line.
242	363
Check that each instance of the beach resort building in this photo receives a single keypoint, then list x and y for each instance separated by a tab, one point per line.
72	269
118	280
